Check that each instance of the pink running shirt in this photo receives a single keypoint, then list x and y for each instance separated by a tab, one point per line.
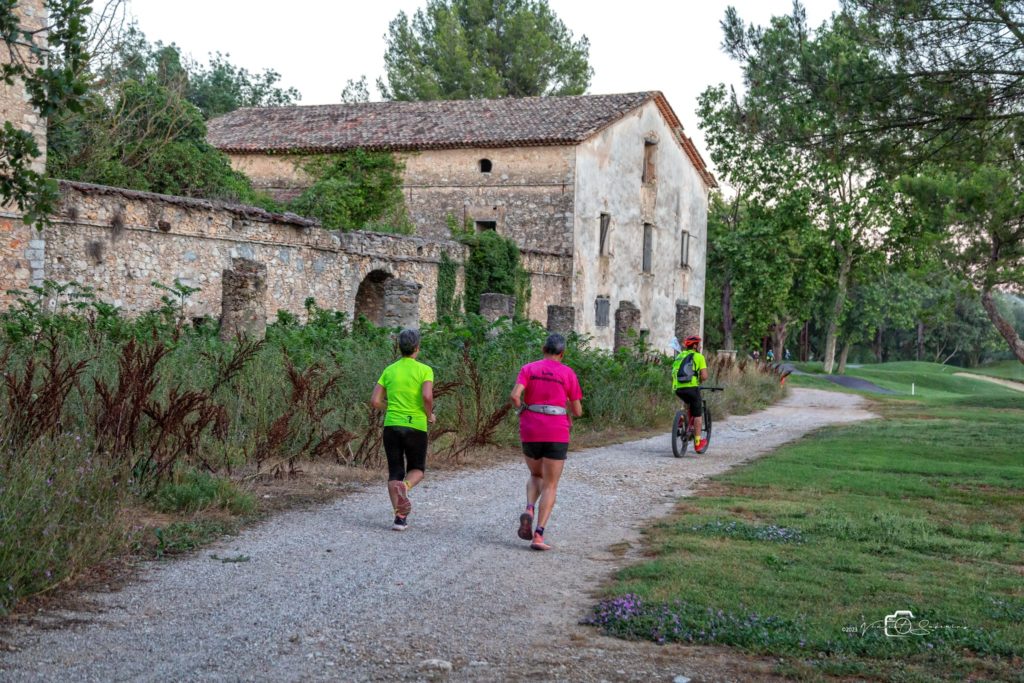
551	383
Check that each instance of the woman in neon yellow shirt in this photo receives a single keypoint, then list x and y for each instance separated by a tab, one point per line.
406	390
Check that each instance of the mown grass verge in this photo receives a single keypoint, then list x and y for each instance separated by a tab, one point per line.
804	554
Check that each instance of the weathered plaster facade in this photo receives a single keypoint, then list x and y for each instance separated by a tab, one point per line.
610	181
120	241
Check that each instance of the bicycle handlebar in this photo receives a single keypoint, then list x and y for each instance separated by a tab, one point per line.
710	388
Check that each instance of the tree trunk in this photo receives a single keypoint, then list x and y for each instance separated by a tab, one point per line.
1003	325
779	338
877	346
920	340
805	343
842	284
842	358
727	339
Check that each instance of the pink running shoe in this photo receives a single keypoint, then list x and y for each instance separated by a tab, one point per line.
526	526
538	543
404	506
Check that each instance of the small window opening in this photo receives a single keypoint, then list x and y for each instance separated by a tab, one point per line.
649	169
486	225
602	307
485	165
684	254
648	246
606	221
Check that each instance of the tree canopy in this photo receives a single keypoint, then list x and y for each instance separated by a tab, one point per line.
469	49
142	124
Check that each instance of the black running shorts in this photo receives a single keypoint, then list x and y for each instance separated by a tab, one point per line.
691	397
551	450
406	449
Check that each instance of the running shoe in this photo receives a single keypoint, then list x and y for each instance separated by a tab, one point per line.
526	526
404	505
701	446
538	543
400	523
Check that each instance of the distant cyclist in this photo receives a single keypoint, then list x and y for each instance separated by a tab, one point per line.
694	371
406	389
543	389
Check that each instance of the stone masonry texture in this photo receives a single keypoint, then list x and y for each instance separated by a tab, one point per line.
494	306
244	300
121	241
14	102
687	320
627	320
561	319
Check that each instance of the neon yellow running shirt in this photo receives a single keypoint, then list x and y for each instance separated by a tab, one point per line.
403	381
699	363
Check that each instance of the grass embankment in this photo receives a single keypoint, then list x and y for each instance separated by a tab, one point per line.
802	555
150	433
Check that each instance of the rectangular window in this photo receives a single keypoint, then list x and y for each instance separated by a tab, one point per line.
648	246
649	171
684	254
602	306
486	225
606	221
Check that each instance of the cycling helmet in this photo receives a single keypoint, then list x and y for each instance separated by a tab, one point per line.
691	342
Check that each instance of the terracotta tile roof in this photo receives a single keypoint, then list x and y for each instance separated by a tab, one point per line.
443	124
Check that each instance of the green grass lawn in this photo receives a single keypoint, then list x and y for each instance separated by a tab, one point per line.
803	554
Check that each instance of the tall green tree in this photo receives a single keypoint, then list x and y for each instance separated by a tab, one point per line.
142	124
220	87
946	112
794	108
53	83
469	49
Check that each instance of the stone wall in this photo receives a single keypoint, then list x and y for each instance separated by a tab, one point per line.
14	105
120	241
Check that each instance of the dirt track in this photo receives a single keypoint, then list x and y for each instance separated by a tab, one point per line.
333	594
1019	386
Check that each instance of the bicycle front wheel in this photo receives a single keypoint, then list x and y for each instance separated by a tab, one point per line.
705	428
679	434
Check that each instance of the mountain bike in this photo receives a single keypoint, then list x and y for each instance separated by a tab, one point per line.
682	426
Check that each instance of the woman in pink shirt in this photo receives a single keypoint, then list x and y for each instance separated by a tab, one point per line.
543	390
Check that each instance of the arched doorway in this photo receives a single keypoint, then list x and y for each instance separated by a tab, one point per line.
370	296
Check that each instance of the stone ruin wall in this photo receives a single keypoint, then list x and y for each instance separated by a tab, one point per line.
120	241
14	103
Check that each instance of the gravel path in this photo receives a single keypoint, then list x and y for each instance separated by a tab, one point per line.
332	594
1009	383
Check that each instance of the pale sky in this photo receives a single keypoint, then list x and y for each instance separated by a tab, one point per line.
316	45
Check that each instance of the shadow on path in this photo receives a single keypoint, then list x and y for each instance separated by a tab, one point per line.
855	383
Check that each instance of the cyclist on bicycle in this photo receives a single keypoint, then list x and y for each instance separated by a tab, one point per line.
691	361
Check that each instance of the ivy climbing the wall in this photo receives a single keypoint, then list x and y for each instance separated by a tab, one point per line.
447	303
494	266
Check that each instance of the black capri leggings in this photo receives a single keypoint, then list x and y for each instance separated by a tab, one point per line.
406	449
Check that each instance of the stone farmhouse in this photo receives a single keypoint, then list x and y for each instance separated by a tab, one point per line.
605	195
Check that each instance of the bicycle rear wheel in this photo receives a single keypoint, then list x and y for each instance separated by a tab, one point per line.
679	439
705	428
